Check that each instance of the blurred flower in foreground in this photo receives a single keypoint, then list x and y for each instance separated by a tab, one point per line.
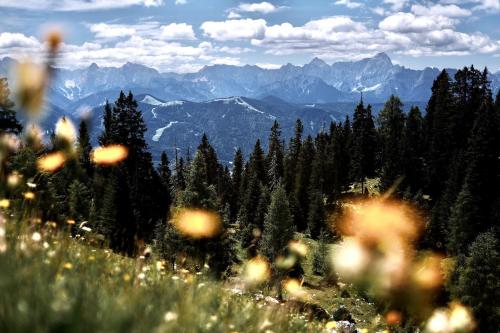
65	130
428	273
456	319
294	288
54	39
51	162
29	195
4	203
257	270
14	178
30	88
350	258
109	155
34	136
197	224
298	248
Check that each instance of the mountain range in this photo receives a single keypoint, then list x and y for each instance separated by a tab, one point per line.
235	105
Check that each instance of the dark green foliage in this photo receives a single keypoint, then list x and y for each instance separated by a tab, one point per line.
79	197
320	258
275	156
477	284
304	170
278	225
391	129
84	148
8	120
165	177
316	219
237	183
363	144
413	158
472	211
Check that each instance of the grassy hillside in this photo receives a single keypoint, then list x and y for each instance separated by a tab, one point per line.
51	282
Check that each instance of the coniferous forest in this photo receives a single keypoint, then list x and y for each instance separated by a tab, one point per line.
425	184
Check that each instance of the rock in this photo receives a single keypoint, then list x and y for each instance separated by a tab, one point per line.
346	327
342	314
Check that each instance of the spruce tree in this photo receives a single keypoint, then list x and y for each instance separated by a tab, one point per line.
320	257
363	144
292	157
8	120
79	197
391	128
275	156
413	151
84	148
165	177
472	212
237	183
278	225
478	285
307	153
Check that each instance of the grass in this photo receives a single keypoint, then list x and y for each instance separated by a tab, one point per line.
59	284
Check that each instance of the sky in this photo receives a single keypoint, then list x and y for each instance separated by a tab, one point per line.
185	35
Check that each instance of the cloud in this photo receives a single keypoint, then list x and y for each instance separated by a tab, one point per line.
180	2
349	3
268	66
440	10
177	31
17	40
77	5
486	5
396	5
234	29
408	22
111	31
261	7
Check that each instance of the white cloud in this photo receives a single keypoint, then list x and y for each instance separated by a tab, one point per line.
180	2
17	40
234	29
261	7
440	10
349	3
268	66
396	5
111	31
487	5
407	22
77	5
177	31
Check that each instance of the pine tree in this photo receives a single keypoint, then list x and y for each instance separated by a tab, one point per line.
363	144
391	128
413	152
8	120
237	183
316	219
292	157
84	148
472	212
478	285
258	163
79	201
320	257
278	225
303	182
275	156
165	176
199	193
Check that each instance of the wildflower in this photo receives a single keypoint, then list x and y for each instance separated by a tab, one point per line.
197	224
51	162
68	265
31	85
4	203
31	185
298	247
141	276
109	155
170	316
257	270
65	130
36	237
29	195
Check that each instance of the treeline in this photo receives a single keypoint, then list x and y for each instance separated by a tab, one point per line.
446	161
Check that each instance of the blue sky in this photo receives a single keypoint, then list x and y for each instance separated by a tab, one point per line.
185	35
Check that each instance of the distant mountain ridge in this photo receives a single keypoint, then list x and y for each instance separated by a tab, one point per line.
315	82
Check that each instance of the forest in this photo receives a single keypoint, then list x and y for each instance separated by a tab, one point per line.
443	162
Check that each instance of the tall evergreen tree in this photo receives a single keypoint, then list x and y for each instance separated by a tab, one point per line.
292	157
472	212
8	120
165	176
84	148
275	156
413	151
391	128
478	285
303	182
278	225
237	183
363	144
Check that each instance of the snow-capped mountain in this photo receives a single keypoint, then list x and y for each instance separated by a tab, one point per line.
315	82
